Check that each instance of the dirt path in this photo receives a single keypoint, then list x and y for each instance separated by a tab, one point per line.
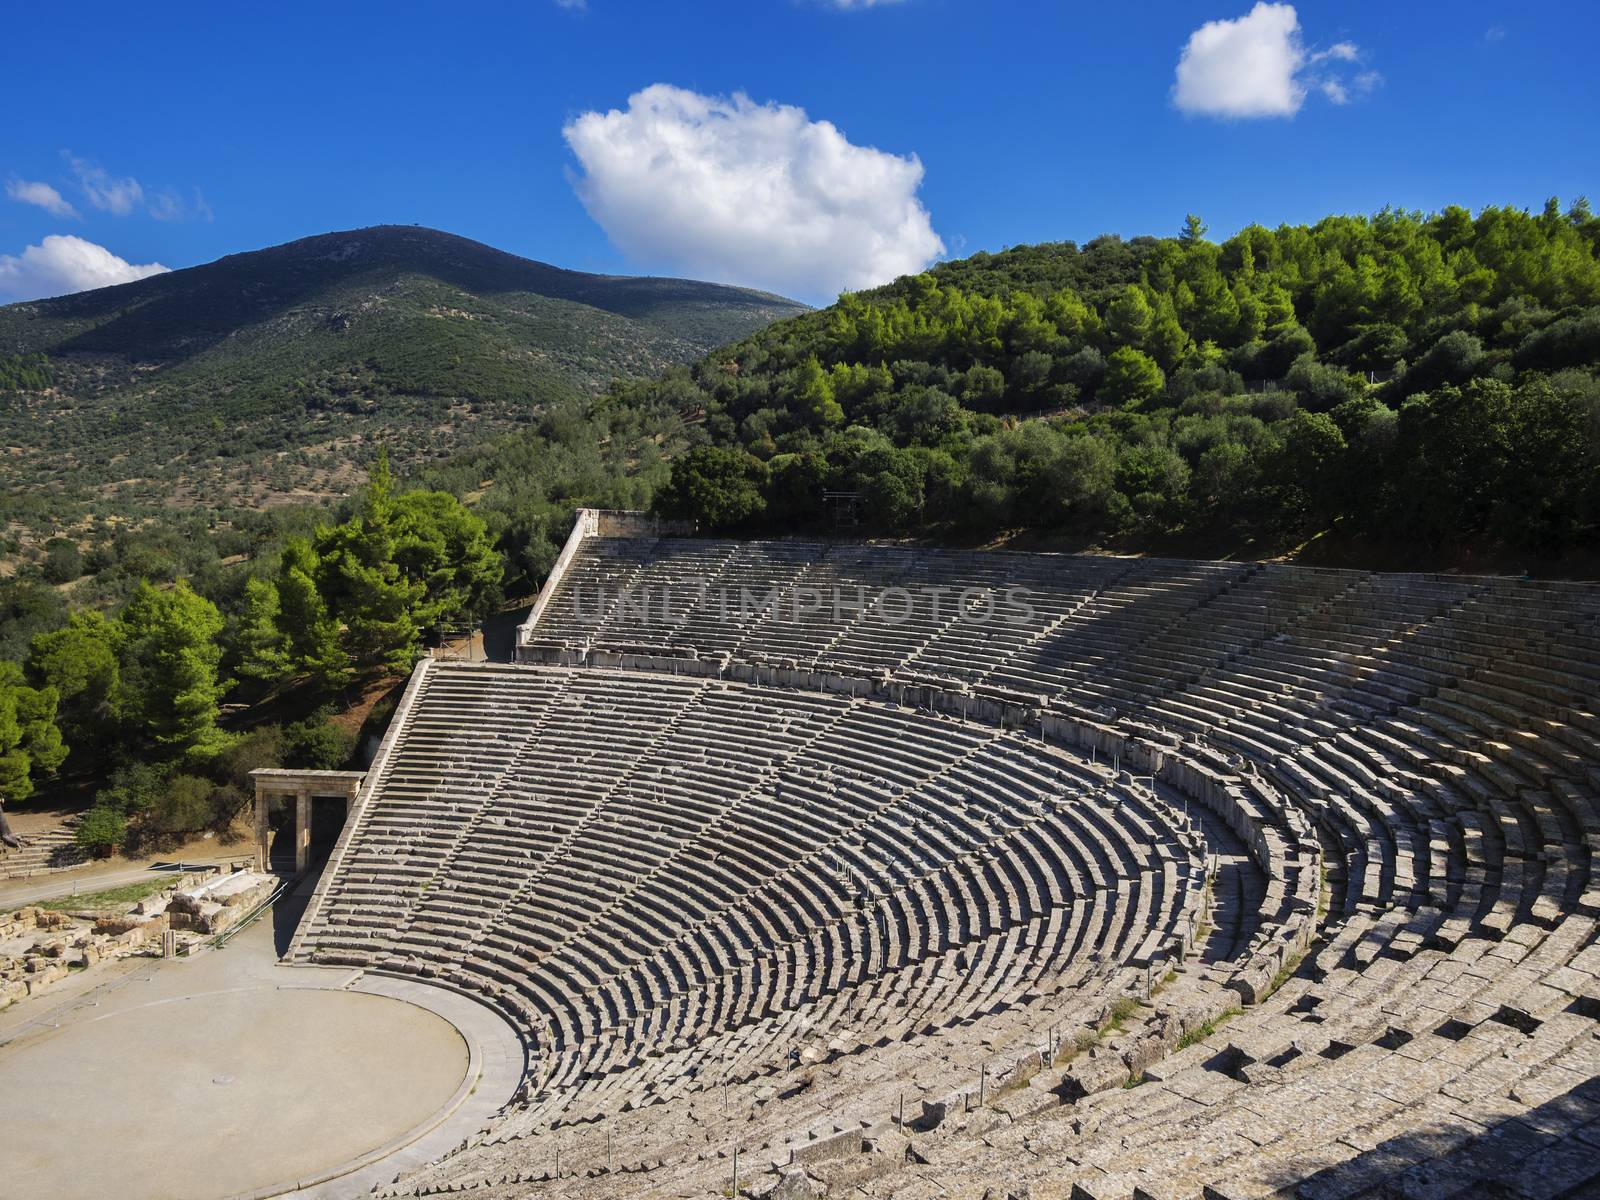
119	869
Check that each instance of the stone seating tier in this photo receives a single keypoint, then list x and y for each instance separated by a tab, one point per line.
1414	762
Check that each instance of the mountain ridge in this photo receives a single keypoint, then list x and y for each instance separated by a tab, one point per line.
472	265
273	373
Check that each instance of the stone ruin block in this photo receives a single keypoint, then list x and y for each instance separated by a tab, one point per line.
1143	1052
151	905
837	1145
1100	1070
117	925
1254	981
947	1107
1017	1071
43	973
187	902
138	934
793	1185
18	923
242	889
206	916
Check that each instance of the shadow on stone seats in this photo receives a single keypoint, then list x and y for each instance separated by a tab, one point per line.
1552	1150
286	913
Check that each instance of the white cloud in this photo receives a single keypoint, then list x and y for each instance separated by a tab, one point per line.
29	191
850	5
60	264
1340	51
1257	66
759	194
573	5
1342	91
119	196
167	205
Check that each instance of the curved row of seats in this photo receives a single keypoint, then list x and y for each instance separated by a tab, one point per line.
666	881
925	1029
1457	793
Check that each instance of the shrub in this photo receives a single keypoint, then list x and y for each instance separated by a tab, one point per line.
1571	341
101	831
63	561
1132	378
264	746
133	790
1452	359
317	744
185	805
1321	386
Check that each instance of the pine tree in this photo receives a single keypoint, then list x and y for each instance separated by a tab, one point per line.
311	634
30	742
81	662
363	584
170	692
259	643
814	396
1166	342
445	546
1132	378
1128	318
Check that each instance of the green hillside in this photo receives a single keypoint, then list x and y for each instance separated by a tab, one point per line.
273	375
1419	381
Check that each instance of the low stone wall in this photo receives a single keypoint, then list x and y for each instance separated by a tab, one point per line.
654	660
630	523
582	528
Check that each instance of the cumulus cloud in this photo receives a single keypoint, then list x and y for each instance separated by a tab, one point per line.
759	194
30	191
1257	66
60	264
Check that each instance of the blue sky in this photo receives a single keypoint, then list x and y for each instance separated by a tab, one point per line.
1030	121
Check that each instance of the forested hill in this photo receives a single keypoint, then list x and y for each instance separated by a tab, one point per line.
1411	379
277	373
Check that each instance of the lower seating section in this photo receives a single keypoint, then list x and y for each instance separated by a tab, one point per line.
670	884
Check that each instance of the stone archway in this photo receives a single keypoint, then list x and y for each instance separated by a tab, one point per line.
302	786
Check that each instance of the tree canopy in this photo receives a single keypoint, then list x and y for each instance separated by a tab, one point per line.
30	741
1404	376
